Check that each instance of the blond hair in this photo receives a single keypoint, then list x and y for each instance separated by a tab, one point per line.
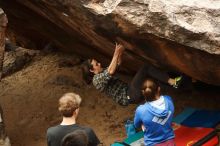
68	103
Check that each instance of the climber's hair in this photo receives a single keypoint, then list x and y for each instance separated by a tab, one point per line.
87	74
150	90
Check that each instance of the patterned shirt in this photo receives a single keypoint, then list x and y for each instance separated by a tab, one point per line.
112	86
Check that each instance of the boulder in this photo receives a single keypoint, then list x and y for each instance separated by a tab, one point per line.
179	36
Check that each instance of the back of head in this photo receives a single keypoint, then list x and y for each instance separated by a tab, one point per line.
150	89
68	103
76	138
86	67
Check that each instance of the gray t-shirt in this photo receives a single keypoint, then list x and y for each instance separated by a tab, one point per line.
55	134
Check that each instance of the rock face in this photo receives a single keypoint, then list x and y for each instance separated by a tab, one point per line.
191	23
3	24
17	60
181	36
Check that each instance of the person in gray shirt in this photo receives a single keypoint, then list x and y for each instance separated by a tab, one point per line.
69	105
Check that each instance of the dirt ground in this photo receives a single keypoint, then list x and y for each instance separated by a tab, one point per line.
29	100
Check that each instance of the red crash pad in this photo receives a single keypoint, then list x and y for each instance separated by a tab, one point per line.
187	136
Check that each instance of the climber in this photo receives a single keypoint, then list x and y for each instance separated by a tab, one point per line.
105	81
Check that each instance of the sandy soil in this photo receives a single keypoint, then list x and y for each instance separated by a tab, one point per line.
29	100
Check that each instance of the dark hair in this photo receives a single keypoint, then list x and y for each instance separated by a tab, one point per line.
87	74
151	91
75	138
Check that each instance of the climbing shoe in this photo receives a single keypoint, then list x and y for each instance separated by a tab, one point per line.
178	82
